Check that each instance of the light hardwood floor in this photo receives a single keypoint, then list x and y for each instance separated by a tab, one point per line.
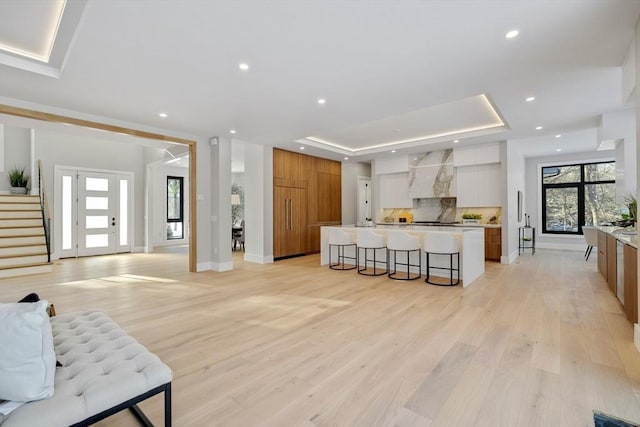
541	342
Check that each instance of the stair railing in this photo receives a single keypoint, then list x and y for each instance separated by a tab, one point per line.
44	207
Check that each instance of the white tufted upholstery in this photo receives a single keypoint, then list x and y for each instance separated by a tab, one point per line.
102	367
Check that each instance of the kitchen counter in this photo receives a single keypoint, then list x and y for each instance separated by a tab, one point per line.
413	224
624	235
471	254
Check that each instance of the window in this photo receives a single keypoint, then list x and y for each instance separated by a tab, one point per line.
175	208
577	195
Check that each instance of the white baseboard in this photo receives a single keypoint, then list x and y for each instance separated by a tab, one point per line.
258	258
214	266
561	246
636	335
138	249
509	259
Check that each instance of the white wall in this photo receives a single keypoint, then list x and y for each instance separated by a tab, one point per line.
515	171
59	149
350	174
533	195
16	153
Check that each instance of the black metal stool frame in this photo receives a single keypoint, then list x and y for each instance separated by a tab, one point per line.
367	259
450	269
394	274
341	257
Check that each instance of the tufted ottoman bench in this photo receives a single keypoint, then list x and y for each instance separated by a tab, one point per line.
103	371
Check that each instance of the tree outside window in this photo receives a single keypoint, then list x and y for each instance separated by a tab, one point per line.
577	195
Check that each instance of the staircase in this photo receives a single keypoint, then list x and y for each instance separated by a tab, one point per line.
23	246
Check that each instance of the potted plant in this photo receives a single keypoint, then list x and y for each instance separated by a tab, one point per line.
471	218
18	180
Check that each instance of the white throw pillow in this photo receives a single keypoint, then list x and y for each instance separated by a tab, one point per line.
27	356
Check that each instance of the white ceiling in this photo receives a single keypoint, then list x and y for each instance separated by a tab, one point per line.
377	63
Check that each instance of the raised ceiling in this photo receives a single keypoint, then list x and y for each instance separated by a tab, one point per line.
389	71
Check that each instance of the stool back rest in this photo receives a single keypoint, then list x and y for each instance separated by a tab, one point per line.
369	239
590	235
441	242
340	237
402	241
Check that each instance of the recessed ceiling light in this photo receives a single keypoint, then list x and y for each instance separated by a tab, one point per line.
393	151
232	131
558	149
346	158
163	115
511	34
302	148
558	135
530	99
243	66
455	141
538	127
322	101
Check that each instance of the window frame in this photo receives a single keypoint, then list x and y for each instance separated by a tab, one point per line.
180	179
580	185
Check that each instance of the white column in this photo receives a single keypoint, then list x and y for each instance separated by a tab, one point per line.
221	204
258	203
636	333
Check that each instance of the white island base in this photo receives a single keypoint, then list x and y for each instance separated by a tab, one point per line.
471	254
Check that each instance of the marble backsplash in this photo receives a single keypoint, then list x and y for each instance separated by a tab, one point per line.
442	209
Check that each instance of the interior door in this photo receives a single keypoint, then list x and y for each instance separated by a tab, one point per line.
364	200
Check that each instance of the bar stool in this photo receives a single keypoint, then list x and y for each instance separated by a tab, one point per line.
341	240
370	241
442	243
591	238
405	244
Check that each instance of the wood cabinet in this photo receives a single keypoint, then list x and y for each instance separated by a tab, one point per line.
307	195
492	244
478	186
608	258
289	221
602	253
612	272
631	283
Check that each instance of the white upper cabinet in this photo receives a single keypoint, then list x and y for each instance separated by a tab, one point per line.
476	154
394	191
479	186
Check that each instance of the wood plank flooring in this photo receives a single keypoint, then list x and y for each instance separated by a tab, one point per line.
542	342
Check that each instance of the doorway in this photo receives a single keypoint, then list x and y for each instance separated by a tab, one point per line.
93	212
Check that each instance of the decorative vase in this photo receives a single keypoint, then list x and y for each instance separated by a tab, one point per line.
18	190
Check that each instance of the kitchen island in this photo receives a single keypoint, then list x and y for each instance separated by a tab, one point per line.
618	264
471	253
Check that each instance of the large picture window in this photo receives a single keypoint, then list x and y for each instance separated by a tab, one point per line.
175	207
577	195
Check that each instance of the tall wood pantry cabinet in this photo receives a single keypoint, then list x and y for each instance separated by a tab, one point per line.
307	194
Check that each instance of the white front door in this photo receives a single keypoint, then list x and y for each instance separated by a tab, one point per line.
93	215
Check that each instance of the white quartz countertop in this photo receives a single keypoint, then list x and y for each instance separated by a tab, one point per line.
624	235
406	224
